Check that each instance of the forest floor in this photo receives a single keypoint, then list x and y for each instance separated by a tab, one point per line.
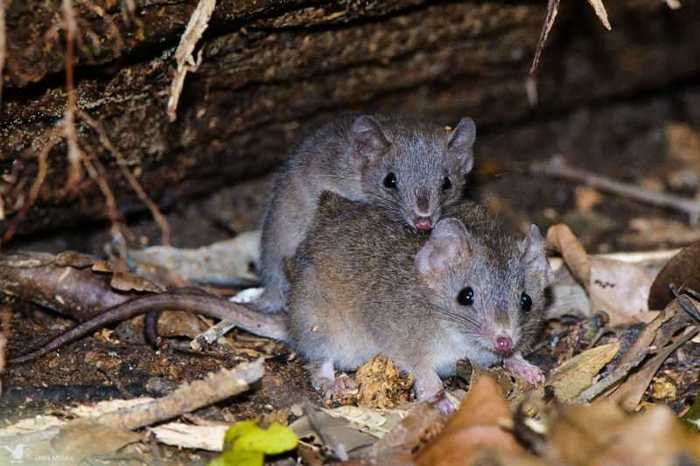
647	141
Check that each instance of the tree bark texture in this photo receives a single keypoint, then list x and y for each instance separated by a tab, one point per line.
271	67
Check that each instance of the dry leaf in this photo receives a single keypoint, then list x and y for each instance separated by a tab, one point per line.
683	144
127	281
381	385
599	9
683	271
586	199
630	393
336	433
374	422
84	439
562	239
226	263
474	430
604	435
180	324
577	374
421	421
621	289
617	287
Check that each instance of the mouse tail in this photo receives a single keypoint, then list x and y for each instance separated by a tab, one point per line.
272	326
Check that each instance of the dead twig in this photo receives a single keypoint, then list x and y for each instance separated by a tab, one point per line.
199	21
552	10
129	176
96	172
557	167
189	397
75	154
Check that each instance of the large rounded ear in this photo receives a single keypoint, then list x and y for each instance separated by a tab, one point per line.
368	137
448	239
533	257
461	143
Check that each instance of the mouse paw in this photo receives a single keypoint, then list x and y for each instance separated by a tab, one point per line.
525	371
340	390
443	403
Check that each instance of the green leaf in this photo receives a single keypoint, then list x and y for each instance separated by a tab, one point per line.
273	441
692	417
239	458
246	444
238	430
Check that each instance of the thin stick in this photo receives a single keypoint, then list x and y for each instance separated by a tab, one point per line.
75	154
96	172
199	21
189	397
557	167
552	10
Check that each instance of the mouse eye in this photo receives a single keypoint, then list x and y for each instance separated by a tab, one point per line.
525	302
446	183
390	181
466	296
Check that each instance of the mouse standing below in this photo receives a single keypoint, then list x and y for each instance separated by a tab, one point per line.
414	169
364	286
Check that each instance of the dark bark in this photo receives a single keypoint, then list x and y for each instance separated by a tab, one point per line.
271	67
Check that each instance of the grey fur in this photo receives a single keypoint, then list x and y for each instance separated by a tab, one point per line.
364	284
351	156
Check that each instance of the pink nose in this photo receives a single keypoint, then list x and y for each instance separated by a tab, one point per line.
424	223
504	345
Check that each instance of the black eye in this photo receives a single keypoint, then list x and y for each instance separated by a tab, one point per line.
466	296
390	181
446	184
525	302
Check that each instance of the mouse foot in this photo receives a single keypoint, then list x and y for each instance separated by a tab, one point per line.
443	403
333	389
525	371
341	389
264	305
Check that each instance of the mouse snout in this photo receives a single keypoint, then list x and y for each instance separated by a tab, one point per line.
424	223
423	213
504	345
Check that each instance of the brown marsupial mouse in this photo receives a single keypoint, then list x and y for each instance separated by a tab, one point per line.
410	167
361	286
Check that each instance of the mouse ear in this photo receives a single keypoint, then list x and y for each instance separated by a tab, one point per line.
448	240
368	137
533	257
461	143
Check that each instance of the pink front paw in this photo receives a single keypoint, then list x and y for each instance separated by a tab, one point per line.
442	403
528	373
